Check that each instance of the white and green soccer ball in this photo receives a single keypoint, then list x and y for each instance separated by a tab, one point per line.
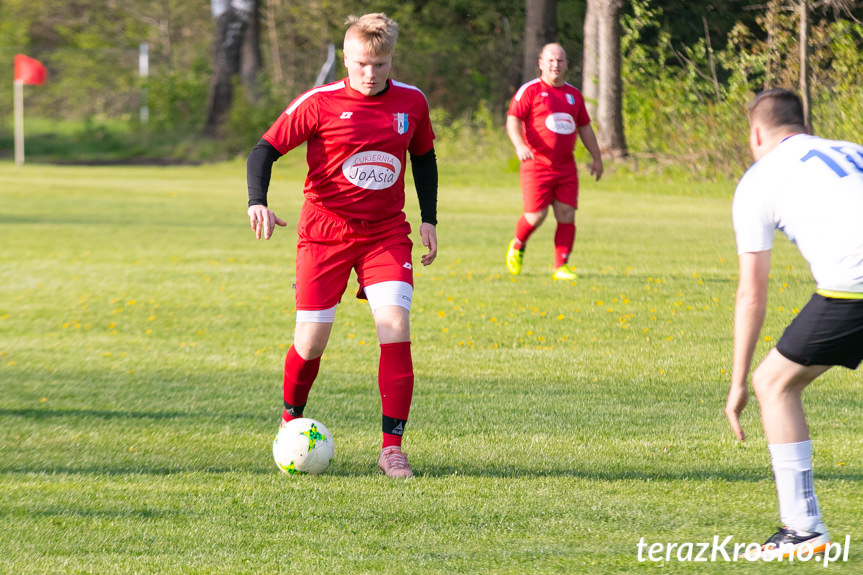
303	446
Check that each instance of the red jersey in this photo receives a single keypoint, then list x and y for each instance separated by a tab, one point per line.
551	116
356	146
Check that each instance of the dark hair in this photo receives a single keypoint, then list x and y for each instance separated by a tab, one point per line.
777	107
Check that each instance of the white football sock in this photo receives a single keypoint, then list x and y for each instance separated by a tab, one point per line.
792	469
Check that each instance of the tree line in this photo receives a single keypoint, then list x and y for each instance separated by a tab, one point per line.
666	80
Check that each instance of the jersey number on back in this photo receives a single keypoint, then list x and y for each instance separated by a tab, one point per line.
852	159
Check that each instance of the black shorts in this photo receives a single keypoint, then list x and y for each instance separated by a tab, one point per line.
827	331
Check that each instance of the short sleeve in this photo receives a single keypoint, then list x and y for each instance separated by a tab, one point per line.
582	118
423	139
753	217
295	126
520	105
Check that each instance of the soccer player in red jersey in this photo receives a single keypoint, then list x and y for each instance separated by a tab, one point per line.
545	118
358	132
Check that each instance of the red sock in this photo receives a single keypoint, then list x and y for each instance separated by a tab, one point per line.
300	374
396	384
564	237
523	231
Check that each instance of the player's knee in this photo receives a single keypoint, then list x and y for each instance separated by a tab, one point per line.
310	338
765	385
310	349
536	218
393	324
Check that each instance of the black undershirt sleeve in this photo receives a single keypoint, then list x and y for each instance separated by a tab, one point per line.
424	169
259	169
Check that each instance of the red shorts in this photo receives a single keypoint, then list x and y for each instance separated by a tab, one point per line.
540	186
330	246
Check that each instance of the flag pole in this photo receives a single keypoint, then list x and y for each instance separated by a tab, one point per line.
19	122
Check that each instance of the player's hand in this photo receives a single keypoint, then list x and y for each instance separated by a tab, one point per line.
596	168
428	233
262	219
524	154
738	396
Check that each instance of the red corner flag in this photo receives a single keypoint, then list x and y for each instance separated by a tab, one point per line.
29	70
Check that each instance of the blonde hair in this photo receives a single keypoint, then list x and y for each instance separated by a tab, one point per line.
376	31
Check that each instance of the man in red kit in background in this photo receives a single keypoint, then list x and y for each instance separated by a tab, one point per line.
545	118
358	132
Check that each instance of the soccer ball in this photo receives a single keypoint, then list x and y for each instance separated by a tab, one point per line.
303	446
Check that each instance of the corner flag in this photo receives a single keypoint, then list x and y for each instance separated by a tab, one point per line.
29	70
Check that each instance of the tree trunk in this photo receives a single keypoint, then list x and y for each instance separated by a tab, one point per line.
771	26
610	104
803	11
250	54
274	42
590	61
540	29
229	45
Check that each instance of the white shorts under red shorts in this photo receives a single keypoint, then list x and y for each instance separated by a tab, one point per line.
330	246
540	186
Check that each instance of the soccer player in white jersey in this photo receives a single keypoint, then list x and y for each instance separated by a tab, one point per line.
812	190
358	132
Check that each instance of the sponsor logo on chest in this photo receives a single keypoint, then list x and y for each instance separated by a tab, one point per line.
560	123
372	170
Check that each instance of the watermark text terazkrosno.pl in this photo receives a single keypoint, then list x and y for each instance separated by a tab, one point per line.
727	550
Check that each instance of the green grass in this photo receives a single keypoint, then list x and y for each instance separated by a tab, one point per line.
106	141
142	331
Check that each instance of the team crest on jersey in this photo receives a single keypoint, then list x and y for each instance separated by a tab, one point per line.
571	99
400	123
372	170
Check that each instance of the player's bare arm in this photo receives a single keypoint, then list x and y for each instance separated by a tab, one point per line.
588	138
749	311
515	131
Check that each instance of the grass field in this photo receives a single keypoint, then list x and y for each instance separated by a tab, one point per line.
142	332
